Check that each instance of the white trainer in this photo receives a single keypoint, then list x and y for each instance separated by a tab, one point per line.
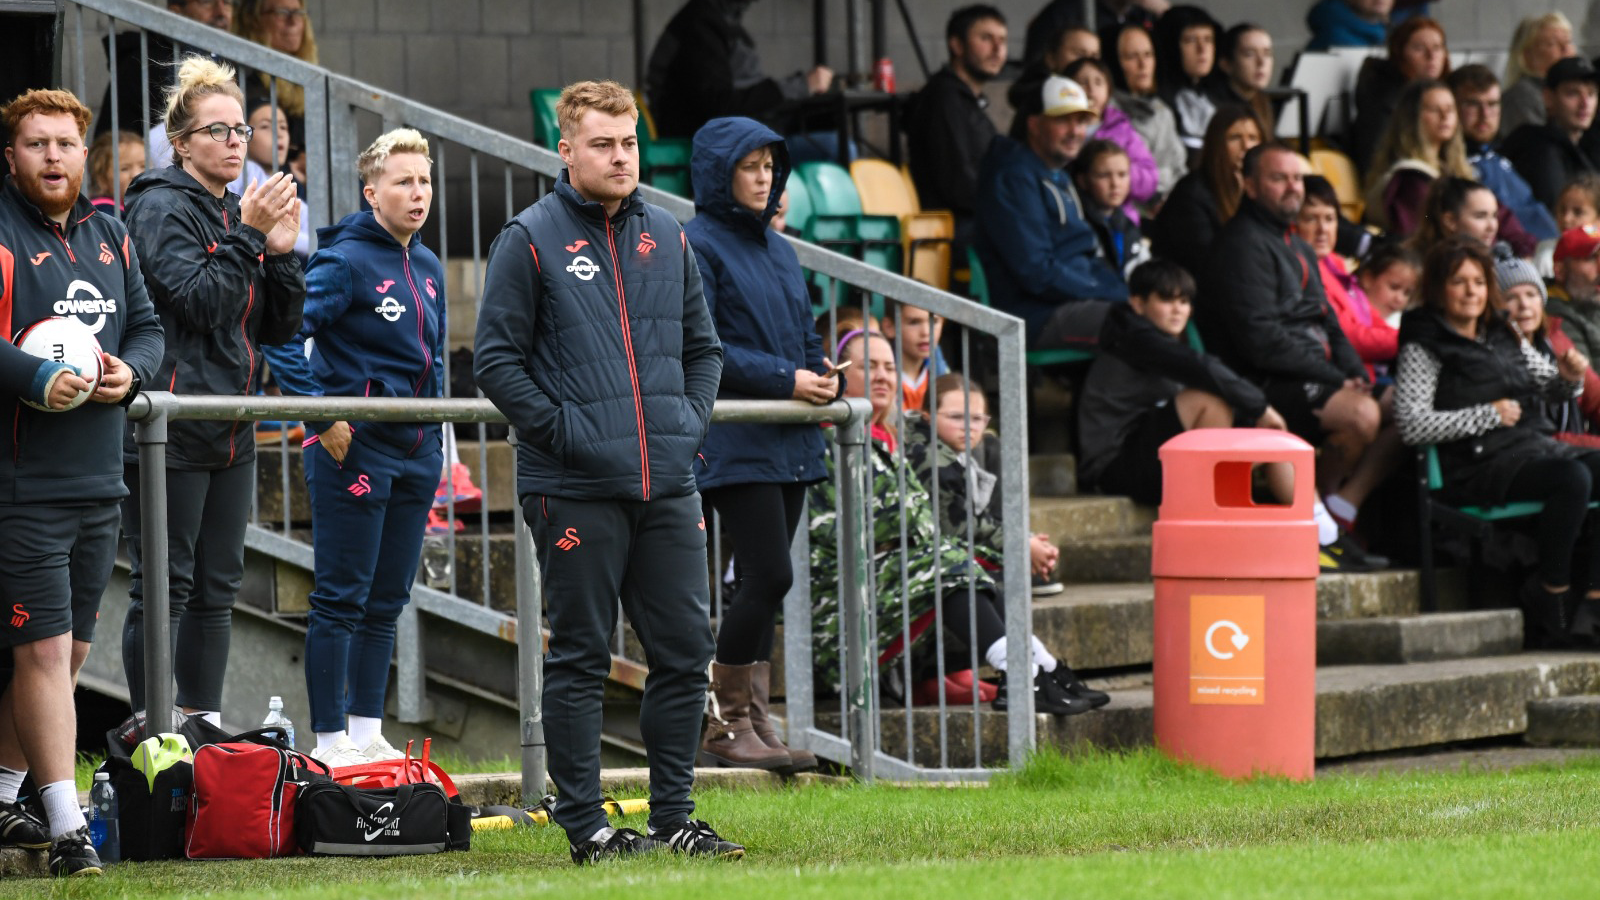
380	750
339	754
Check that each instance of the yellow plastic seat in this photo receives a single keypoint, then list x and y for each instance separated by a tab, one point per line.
924	236
1341	173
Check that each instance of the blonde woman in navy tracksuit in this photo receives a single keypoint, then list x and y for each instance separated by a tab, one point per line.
375	304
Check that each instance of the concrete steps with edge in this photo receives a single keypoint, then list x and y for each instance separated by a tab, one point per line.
1564	722
1422	638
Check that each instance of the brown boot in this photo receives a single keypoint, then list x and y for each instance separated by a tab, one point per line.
729	740
760	702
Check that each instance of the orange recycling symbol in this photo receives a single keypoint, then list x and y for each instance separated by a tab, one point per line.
1227	649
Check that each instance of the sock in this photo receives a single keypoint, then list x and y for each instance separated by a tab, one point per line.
1327	528
61	807
364	729
210	715
604	834
10	784
996	655
1042	657
1340	507
326	739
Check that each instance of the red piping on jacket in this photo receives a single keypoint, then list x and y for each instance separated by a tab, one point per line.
633	371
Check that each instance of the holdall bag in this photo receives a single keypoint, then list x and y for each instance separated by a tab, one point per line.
395	772
339	820
243	806
152	811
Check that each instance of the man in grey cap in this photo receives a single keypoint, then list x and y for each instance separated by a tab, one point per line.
1043	260
1549	156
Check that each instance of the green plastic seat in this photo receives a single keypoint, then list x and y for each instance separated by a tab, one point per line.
978	286
1499	513
546	129
836	208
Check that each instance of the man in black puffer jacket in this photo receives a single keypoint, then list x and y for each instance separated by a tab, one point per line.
1265	313
596	343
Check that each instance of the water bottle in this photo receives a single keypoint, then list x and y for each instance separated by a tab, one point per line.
436	562
103	819
276	717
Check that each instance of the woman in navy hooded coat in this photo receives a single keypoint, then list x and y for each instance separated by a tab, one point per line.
754	475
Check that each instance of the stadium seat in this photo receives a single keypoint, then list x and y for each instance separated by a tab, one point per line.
1060	356
798	217
1341	173
925	236
836	205
546	130
663	162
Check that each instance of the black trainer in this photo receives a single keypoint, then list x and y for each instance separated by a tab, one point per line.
72	854
1072	684
18	829
624	842
1345	555
1048	697
695	838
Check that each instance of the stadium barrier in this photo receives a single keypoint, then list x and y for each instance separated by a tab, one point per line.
341	116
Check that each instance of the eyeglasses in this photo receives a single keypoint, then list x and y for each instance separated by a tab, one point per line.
219	132
979	419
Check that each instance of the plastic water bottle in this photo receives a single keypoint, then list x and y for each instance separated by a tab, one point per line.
103	831
276	717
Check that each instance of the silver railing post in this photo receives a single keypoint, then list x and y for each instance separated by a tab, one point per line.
151	437
798	679
855	605
411	673
530	659
1021	724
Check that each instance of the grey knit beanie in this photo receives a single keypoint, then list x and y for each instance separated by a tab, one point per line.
1511	270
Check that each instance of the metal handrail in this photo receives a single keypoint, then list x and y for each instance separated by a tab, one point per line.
153	410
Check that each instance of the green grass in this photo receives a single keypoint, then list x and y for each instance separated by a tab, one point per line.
1099	825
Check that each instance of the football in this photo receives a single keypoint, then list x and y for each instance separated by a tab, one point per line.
67	340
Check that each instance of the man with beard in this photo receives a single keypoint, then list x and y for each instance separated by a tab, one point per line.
705	65
61	484
947	126
1574	295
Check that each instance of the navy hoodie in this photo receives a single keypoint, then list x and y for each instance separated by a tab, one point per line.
377	311
762	312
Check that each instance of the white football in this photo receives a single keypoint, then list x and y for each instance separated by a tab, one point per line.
65	339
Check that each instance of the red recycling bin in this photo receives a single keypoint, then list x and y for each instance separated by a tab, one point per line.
1236	606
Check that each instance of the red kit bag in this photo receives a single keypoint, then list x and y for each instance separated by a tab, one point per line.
243	801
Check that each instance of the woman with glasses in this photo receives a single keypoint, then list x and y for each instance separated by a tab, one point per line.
755	475
223	277
285	26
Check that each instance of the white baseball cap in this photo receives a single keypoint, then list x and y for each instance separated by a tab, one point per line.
1063	97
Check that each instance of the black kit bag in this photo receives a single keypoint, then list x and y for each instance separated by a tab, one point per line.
333	819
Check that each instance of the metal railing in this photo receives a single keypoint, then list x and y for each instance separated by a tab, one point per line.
341	116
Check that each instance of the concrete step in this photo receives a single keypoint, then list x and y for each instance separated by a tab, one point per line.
1081	518
1564	722
1052	475
16	861
1360	709
1098	626
1425	638
1104	559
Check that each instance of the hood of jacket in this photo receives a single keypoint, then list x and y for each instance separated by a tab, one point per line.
359	226
718	147
173	176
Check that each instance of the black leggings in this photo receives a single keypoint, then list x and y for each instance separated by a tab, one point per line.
1565	487
959	618
760	521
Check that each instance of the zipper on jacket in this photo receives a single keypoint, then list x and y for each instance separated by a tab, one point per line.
633	370
427	357
250	353
62	237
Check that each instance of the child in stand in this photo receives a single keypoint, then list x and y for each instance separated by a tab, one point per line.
1577	205
918	345
1102	173
1383	288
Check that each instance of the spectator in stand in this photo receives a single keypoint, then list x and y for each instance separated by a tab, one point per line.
1348	23
1388	277
1133	70
161	67
1094	77
1148	386
285	26
1468	383
1265	314
912	559
1043	259
1101	173
107	189
1074	44
920	361
1110	17
1579	205
1551	155
224	279
1186	56
705	65
755	475
1522	296
1421	143
1417	52
1479	105
367	543
1244	57
947	128
270	149
1209	195
1574	293
1374	340
1538	43
1457	206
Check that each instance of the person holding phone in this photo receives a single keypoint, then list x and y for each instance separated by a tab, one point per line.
754	475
